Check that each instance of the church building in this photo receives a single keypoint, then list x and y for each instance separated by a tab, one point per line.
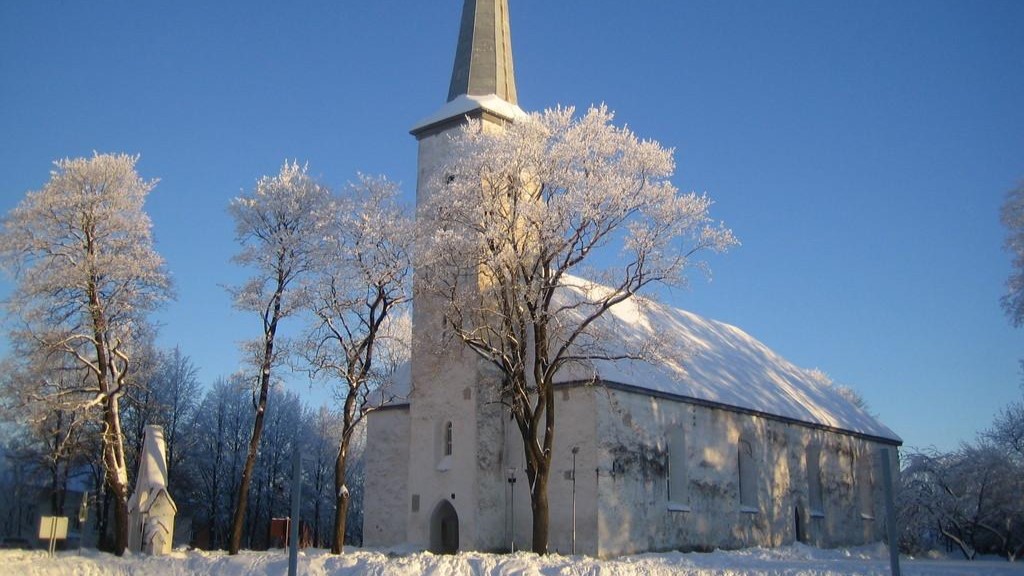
740	448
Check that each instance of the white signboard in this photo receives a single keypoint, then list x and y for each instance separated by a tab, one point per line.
53	528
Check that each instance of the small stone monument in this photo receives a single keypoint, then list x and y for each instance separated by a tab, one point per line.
150	509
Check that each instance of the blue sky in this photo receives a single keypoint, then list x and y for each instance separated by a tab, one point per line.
860	150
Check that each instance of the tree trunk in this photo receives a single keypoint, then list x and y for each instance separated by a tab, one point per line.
539	504
56	502
341	497
117	478
113	435
242	501
120	520
269	332
316	521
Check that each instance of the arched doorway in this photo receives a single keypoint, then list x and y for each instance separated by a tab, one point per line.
444	529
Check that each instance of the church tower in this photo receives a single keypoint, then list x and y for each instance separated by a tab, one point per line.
672	461
456	479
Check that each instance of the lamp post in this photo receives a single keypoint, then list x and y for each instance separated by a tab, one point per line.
512	484
294	521
575	450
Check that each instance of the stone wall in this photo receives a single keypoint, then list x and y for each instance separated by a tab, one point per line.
386	500
636	512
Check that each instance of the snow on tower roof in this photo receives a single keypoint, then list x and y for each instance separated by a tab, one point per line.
465	105
151	479
723	366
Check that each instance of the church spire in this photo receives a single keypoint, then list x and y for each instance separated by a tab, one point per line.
483	58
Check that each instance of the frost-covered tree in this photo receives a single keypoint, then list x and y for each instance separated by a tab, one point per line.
1006	438
48	430
167	395
849	394
361	281
82	254
322	448
969	497
270	492
139	406
177	387
276	227
516	216
222	425
1007	431
1012	217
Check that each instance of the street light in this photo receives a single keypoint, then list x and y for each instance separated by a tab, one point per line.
575	450
512	484
294	521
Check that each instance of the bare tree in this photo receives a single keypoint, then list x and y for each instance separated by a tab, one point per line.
361	281
1007	430
140	404
222	422
1006	439
81	251
322	447
514	215
178	392
969	497
166	394
48	430
276	226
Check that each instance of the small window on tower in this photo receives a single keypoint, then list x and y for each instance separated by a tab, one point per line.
444	444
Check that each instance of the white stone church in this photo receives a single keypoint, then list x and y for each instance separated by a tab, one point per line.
737	448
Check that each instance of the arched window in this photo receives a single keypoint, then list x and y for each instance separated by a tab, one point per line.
677	474
865	485
814	480
747	476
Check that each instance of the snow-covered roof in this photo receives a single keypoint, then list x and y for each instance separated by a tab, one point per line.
151	481
722	365
465	103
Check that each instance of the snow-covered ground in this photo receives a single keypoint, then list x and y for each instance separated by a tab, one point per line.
796	560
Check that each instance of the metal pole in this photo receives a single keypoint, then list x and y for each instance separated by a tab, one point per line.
53	535
293	528
890	515
512	483
575	450
83	517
